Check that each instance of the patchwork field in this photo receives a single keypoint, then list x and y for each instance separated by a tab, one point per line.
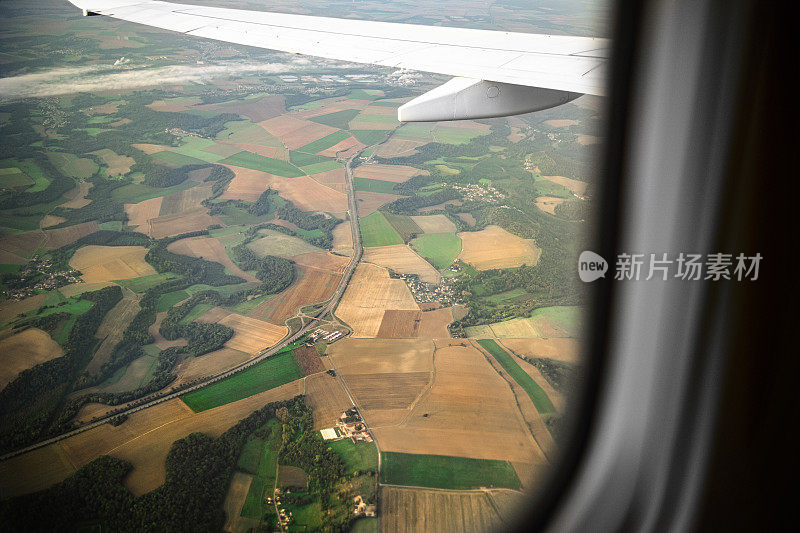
578	187
250	335
494	247
112	327
108	263
296	132
392	173
548	204
209	364
326	398
143	440
438	511
376	231
369	202
567	350
305	192
371	292
311	285
434	223
402	259
56	238
416	324
24	350
209	249
168	226
280	244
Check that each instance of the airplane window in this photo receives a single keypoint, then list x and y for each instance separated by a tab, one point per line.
237	293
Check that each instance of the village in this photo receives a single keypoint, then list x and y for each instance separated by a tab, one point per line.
444	293
26	282
479	193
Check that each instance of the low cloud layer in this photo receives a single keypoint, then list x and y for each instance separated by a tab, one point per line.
70	80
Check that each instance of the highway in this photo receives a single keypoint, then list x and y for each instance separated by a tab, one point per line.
157	398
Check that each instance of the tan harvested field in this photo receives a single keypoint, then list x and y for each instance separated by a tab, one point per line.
387	391
9	310
322	260
333	179
312	285
494	247
561	123
10	258
17	248
228	149
25	350
160	341
567	350
291	476
440	206
112	327
118	165
247	184
280	245
406	510
193	368
175	106
104	109
586	140
402	259
34	471
548	204
250	334
309	360
75	289
514	328
172	225
295	132
398	148
371	292
469	411
467	217
184	201
576	186
358	125
256	110
556	397
56	238
416	324
120	122
343	239
51	220
234	501
369	202
434	223
143	440
434	323
209	249
284	223
108	263
151	149
344	148
393	173
326	398
140	214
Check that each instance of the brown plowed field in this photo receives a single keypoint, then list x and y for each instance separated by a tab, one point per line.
247	184
112	327
51	220
471	412
402	259
183	223
312	285
344	148
567	350
275	152
25	350
398	148
467	217
183	201
19	247
437	511
160	341
108	263
333	178
209	249
143	440
56	238
434	223
151	149
75	289
250	334
343	239
309	360
388	390
561	123
9	310
416	324
393	173
234	501
141	213
256	110
77	196
434	323
291	476
326	398
369	202
370	293
576	186
494	247
323	261
208	365
296	132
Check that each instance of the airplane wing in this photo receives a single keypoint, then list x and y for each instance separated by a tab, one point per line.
497	73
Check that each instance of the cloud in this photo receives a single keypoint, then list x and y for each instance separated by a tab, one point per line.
70	80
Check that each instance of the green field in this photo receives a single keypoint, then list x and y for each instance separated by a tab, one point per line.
506	360
301	159
324	166
175	159
144	283
193	147
370	137
381	119
566	317
365	525
264	164
441	249
138	192
445	472
365	94
244	131
72	166
415	131
324	143
339	119
546	187
361	456
196	312
261	459
404	225
456	135
32	170
268	374
376	231
165	301
13	178
371	185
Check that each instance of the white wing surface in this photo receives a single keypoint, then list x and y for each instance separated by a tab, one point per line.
569	65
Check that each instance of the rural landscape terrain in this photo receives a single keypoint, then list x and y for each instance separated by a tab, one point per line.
237	293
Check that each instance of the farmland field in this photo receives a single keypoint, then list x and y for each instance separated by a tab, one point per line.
404	224
371	185
534	391
376	231
357	455
24	350
327	399
441	249
264	164
402	259
280	244
494	247
268	374
444	472
264	473
109	263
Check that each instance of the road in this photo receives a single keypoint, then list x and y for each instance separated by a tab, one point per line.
157	398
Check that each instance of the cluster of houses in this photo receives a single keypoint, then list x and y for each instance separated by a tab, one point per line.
482	193
284	517
50	279
349	425
360	507
424	292
322	335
